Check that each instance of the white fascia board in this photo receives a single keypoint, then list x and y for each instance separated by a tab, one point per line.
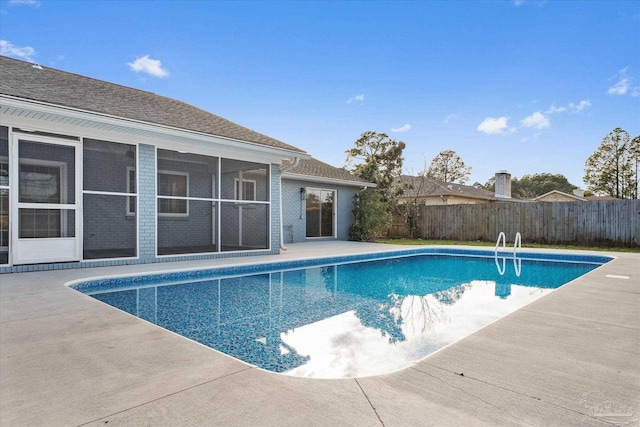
160	135
323	180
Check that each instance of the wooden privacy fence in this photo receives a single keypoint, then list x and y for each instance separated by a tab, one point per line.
610	222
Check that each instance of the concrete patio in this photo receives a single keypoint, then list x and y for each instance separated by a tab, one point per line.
572	358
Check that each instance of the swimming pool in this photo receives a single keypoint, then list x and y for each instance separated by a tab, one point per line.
341	317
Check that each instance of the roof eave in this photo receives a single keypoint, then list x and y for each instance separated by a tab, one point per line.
325	180
150	129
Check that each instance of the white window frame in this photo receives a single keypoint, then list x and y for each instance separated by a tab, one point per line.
334	212
236	189
62	167
185	197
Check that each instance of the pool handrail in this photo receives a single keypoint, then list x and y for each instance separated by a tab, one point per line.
517	262
501	237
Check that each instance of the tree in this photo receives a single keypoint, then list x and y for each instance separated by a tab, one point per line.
414	189
532	186
635	159
378	159
613	168
447	166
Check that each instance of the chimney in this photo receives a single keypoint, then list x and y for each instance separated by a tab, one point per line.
503	185
578	192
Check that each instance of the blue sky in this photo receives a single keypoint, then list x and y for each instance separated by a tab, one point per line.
527	86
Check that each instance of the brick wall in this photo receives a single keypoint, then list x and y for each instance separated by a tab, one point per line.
147	202
275	208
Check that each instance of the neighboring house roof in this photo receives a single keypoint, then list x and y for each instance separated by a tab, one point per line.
22	80
597	198
314	169
557	195
427	187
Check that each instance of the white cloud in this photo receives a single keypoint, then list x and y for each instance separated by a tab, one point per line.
25	52
403	128
518	2
571	107
450	118
149	66
358	99
35	3
623	83
553	109
576	108
494	126
537	121
620	88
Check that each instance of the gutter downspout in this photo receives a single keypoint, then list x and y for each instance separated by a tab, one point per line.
296	161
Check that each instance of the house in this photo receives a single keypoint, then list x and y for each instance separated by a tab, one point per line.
316	195
559	196
93	173
427	191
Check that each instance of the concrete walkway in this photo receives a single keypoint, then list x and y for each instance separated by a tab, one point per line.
572	358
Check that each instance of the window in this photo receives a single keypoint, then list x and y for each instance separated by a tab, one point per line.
4	172
320	212
173	184
248	189
42	183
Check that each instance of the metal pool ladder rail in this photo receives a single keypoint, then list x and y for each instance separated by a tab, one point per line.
517	262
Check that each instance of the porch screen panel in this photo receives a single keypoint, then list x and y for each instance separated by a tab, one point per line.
106	166
200	170
109	231
192	234
110	200
187	186
245	226
4	195
244	180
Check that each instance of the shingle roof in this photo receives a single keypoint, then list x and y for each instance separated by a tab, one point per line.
600	198
20	79
423	187
314	167
562	193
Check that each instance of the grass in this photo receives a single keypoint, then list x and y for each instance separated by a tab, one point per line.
524	245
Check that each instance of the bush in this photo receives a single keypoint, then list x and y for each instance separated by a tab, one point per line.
371	216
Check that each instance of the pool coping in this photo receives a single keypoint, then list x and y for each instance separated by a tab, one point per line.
38	325
268	266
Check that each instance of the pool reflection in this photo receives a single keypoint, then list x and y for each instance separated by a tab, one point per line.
343	320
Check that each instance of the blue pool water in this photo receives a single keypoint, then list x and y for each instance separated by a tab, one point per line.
340	319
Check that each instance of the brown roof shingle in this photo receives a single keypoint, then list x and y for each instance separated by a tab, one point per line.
423	187
20	79
314	167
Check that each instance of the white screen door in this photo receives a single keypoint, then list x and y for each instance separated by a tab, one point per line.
46	205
